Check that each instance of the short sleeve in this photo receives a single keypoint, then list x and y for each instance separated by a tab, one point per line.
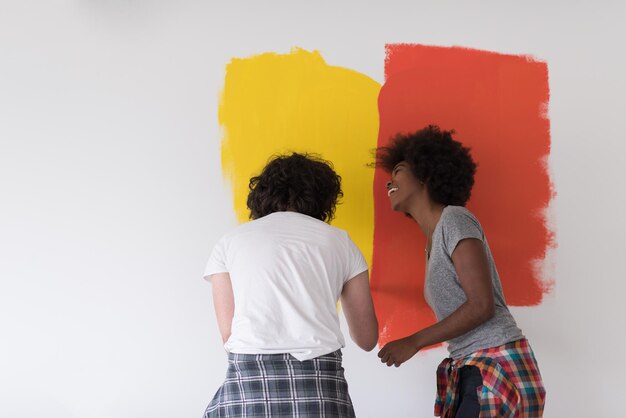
217	260
459	224
357	263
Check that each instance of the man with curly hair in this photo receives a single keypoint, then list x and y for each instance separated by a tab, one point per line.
492	371
276	282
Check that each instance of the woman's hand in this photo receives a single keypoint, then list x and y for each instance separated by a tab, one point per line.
397	352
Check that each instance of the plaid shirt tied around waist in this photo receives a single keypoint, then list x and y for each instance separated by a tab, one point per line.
512	385
280	386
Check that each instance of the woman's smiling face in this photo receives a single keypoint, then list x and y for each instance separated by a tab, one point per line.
402	187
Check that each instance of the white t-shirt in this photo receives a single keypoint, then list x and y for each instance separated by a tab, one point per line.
287	271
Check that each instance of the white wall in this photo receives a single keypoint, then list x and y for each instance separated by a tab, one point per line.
111	193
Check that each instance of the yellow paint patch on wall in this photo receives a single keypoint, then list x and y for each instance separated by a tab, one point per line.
277	103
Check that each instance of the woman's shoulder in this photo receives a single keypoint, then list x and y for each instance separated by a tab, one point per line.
459	215
457	211
287	222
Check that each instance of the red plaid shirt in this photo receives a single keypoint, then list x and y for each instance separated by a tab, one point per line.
512	385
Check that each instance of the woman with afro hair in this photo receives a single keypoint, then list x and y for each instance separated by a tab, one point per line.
276	282
492	371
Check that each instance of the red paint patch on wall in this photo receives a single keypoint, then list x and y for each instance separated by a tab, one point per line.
497	106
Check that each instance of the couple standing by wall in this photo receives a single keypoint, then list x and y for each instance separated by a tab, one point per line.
277	279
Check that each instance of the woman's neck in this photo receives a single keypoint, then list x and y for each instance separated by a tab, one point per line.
427	216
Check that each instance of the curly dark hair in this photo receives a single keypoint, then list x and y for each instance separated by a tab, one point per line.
436	159
303	183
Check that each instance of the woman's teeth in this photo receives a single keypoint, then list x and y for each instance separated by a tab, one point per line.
391	190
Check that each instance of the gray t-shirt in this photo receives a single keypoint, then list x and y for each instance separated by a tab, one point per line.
443	290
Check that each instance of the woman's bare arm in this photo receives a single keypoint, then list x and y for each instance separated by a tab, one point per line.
358	308
470	263
224	303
